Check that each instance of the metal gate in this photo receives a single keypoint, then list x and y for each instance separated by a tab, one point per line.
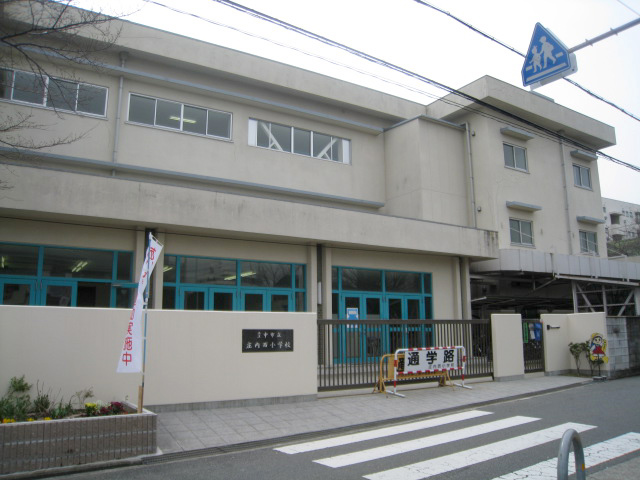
532	346
349	351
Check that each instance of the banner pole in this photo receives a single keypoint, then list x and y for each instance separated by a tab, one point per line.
144	348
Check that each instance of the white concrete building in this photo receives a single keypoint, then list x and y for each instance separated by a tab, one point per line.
281	191
622	219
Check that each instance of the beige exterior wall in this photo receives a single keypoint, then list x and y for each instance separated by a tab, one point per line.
574	328
192	357
506	342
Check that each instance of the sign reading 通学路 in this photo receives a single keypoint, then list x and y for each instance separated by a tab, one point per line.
430	360
256	341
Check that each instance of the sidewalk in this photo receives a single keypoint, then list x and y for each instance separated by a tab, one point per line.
189	431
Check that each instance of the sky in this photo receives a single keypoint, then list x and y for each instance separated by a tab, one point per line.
427	42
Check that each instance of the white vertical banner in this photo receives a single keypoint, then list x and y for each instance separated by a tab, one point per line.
131	357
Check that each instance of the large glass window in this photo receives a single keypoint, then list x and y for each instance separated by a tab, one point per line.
229	284
303	142
521	232
53	92
178	116
582	176
59	276
589	242
515	157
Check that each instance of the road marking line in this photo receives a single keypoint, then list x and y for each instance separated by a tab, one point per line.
448	463
424	442
593	455
381	432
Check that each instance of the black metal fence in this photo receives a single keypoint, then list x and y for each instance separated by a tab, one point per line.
349	351
532	346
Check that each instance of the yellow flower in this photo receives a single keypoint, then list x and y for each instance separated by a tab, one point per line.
29	419
8	420
47	418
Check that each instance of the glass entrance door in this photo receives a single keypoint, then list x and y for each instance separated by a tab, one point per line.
55	293
194	298
17	292
404	335
357	342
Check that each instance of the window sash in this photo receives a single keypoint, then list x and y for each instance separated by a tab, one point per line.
515	157
521	231
179	116
588	242
53	92
582	176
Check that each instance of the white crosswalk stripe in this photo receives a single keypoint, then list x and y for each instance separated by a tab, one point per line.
424	442
547	470
593	455
448	463
381	432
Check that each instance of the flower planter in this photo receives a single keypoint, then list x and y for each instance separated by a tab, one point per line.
37	445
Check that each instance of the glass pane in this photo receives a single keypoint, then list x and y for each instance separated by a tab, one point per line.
576	175
207	270
335	305
93	295
508	155
194	300
413	309
92	99
18	260
280	138
373	308
58	295
125	297
527	233
322	146
334	278
223	301
6	79
142	109
403	282
253	302
258	274
263	134
124	266
515	231
219	124
62	94
279	303
16	294
427	283
301	305
364	280
352	302
301	141
195	120
586	178
521	159
168	114
299	280
427	308
28	87
169	270
395	309
169	298
77	263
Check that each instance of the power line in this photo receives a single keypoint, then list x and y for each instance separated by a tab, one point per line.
493	39
378	61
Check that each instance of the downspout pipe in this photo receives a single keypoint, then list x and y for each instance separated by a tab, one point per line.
116	136
471	187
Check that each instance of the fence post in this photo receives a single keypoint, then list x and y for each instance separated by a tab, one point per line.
571	437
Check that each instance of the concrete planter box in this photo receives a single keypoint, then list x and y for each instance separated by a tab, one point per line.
37	445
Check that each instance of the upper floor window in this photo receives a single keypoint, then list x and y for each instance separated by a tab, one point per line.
66	95
521	232
178	116
515	157
295	140
582	176
588	242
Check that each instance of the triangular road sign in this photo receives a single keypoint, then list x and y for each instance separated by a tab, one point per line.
547	57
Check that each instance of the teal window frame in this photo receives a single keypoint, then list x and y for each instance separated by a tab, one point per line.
296	294
39	281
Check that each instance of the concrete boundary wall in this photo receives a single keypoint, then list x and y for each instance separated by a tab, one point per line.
506	339
192	357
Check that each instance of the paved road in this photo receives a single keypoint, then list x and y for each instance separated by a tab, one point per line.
505	441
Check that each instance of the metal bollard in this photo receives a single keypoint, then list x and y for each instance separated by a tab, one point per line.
571	437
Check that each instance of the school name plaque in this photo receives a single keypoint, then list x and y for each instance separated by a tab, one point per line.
256	341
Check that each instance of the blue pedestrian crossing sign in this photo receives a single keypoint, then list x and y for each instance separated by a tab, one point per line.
547	58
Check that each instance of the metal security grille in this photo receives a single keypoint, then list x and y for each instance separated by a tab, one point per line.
349	351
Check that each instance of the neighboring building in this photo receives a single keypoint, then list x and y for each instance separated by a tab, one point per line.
277	189
622	220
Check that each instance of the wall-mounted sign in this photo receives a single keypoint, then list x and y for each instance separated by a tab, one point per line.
352	314
598	348
256	341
